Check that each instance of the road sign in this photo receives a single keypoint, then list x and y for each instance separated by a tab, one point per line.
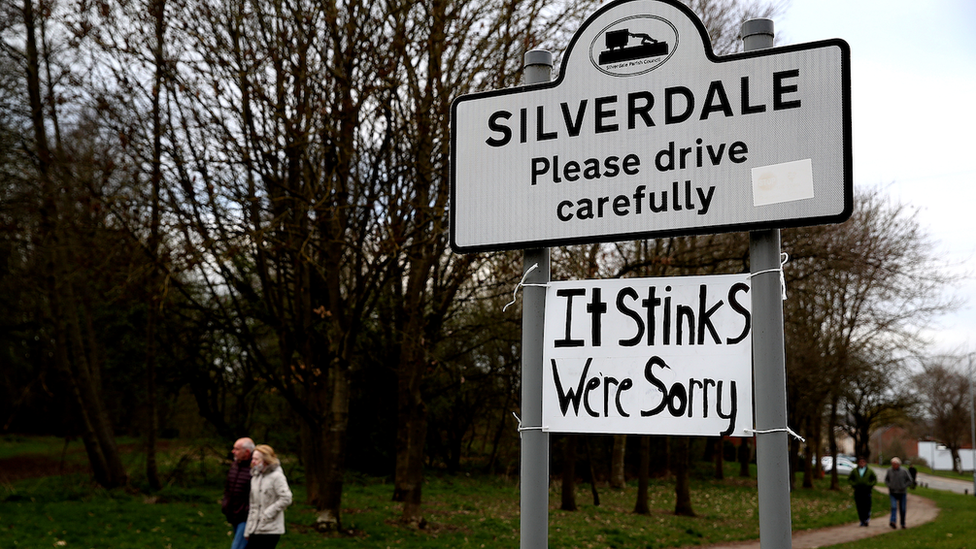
647	133
662	356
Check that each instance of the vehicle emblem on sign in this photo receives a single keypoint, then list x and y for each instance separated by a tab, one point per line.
634	45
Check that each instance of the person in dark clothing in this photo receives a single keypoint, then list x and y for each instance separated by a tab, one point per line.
862	479
898	481
237	490
912	471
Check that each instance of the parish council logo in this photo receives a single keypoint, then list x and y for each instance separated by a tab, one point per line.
633	45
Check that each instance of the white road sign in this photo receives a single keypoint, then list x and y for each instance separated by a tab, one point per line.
649	356
646	132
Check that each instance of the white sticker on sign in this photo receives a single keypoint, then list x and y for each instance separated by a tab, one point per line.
786	182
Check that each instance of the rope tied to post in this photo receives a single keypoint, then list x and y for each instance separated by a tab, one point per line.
784	258
522	284
521	429
786	430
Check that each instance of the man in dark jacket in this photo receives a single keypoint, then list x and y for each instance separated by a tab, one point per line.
862	479
237	490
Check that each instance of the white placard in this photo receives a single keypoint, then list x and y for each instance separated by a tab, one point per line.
649	356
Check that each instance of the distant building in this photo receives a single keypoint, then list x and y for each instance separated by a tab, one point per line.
939	458
892	441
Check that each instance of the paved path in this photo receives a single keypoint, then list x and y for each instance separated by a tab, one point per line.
942	483
920	510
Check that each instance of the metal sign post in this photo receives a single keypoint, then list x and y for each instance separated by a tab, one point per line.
769	361
646	133
534	471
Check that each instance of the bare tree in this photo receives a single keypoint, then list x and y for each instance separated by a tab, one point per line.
724	18
442	50
275	158
68	223
944	394
875	395
859	289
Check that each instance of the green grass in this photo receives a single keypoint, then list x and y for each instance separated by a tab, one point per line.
462	511
967	476
15	445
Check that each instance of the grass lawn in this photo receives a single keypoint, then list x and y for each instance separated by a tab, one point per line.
967	476
462	511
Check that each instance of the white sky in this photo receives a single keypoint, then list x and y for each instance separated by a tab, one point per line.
913	72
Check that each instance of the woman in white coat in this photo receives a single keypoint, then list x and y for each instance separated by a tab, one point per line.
269	497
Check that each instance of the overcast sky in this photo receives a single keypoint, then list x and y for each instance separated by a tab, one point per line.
913	72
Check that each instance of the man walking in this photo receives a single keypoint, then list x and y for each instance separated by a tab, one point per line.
237	490
863	479
898	481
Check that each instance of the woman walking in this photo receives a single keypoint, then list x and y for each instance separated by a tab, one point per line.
269	497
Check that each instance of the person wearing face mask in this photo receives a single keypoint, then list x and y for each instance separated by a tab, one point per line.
270	496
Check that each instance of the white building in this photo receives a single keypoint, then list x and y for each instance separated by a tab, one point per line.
939	458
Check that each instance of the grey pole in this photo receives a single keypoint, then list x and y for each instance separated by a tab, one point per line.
534	471
769	362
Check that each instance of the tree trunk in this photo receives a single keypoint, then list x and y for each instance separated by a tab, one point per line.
643	472
617	462
745	456
496	440
569	474
592	468
324	449
152	473
72	359
411	434
660	464
817	472
834	484
807	462
411	417
74	365
682	485
719	458
794	456
335	442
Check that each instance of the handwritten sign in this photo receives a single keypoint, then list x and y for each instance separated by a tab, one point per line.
649	356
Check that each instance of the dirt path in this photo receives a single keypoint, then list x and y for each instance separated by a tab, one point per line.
920	510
